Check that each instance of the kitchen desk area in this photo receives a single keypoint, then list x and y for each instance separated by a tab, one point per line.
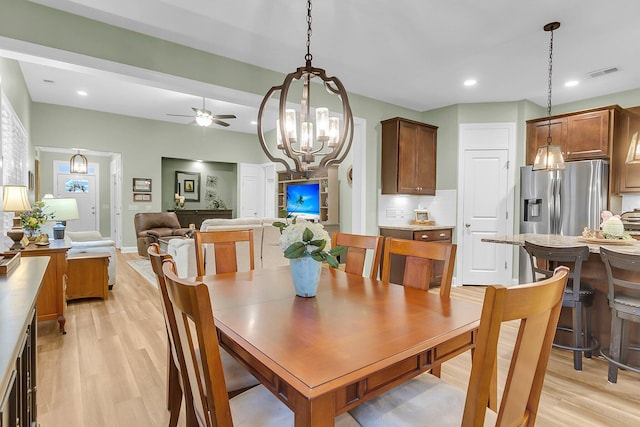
593	272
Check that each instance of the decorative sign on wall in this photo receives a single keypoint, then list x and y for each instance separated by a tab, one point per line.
188	185
212	180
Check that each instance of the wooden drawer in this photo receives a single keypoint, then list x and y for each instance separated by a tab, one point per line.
432	235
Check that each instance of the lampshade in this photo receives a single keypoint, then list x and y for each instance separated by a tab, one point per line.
78	164
633	155
548	157
61	209
15	199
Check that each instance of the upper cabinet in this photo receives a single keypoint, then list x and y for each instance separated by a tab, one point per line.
587	134
408	157
628	177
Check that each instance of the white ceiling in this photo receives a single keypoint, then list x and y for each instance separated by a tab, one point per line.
413	53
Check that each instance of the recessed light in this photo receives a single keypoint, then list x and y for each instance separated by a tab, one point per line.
470	82
82	93
572	83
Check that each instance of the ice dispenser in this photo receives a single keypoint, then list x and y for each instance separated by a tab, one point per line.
533	210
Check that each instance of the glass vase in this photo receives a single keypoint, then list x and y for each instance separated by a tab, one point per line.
305	272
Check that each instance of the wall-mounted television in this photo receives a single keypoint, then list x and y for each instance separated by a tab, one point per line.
303	199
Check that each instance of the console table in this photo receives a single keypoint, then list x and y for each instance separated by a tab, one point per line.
196	216
51	300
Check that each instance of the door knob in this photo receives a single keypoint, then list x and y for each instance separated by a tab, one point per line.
467	225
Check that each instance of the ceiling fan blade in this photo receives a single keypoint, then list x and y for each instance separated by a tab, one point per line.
220	122
180	115
224	116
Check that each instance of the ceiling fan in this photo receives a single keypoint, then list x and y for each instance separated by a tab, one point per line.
204	118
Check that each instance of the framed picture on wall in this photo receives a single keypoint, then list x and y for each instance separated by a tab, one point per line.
141	197
188	185
142	185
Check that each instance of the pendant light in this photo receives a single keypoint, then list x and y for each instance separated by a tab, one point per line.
633	155
549	157
301	151
78	164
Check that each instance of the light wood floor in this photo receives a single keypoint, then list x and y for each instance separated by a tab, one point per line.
109	370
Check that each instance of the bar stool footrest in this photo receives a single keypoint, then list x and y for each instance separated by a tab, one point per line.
604	352
595	346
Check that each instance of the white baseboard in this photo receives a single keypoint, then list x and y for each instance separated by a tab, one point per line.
129	249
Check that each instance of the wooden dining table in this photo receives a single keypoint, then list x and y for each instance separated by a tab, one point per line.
355	339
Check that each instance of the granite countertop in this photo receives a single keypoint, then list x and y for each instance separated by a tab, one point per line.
417	227
632	246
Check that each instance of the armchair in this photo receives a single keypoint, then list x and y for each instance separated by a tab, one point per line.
92	241
152	226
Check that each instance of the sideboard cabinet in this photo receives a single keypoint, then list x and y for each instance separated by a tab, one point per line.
18	295
196	216
582	135
408	157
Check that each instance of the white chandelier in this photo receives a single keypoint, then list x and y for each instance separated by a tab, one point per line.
307	153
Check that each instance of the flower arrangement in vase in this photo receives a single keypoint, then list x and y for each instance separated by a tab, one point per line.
306	245
33	219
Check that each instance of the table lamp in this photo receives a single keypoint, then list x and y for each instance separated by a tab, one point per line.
15	199
61	210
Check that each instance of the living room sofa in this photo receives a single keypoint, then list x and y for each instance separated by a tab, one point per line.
266	241
152	226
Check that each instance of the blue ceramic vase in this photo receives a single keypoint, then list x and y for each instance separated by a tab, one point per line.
305	272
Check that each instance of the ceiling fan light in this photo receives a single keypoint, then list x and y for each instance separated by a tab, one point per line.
204	120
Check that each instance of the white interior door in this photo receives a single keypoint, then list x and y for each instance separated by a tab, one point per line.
485	215
83	188
485	203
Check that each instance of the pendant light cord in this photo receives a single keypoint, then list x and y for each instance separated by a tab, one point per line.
549	93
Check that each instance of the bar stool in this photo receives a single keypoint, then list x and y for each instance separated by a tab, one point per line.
624	300
577	294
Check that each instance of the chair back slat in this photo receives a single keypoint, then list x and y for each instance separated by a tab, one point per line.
357	247
224	243
420	261
537	306
201	353
620	268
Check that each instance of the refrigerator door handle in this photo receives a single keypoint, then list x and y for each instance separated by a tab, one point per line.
558	207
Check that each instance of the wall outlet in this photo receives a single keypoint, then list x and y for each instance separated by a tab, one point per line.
392	213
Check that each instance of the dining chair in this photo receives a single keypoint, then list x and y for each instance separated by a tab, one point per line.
225	244
204	372
434	402
624	300
357	246
238	378
175	388
578	295
421	259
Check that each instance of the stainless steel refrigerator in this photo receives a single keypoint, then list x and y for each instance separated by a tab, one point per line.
561	202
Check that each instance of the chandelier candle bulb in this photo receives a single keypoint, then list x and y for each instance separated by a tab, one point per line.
306	140
279	143
291	125
334	131
322	124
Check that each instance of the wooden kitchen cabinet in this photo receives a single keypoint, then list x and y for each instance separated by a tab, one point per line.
425	234
408	157
582	135
628	177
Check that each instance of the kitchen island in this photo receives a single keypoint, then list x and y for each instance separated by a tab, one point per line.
593	273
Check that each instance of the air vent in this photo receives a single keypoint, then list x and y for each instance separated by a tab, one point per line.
48	82
602	72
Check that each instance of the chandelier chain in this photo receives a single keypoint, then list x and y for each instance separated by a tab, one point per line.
308	56
550	85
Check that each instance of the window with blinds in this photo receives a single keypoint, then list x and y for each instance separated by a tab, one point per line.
14	156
